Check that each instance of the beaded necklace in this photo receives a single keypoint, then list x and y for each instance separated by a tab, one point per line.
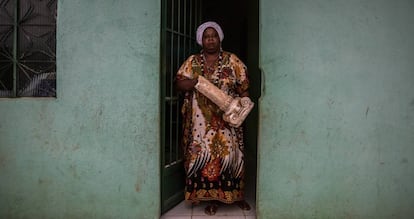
215	76
212	76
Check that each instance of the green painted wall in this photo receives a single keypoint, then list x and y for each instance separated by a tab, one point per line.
337	109
94	151
336	114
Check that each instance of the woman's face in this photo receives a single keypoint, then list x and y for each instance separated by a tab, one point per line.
211	40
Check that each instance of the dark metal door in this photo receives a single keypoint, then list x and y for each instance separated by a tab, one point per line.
180	19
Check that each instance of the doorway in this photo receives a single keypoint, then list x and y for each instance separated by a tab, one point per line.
239	20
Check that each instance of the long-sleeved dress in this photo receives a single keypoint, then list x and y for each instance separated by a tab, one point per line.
213	150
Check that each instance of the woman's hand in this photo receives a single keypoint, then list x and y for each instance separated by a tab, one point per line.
244	94
186	84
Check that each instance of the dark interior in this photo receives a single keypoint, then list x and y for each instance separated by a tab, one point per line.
239	21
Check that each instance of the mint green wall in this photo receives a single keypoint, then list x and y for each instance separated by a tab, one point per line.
336	114
337	109
94	151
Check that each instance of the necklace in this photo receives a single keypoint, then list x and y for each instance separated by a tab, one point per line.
210	69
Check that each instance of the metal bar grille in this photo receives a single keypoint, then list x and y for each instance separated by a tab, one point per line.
28	48
181	21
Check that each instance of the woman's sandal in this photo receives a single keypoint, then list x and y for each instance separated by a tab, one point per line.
243	205
211	209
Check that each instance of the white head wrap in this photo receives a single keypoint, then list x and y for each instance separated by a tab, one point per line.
204	26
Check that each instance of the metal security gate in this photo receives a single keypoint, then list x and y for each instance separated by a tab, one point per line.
180	19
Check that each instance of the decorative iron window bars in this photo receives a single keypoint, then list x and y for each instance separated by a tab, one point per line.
28	48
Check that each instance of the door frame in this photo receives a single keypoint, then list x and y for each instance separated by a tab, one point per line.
252	52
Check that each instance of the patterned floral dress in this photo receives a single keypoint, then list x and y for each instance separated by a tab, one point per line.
214	159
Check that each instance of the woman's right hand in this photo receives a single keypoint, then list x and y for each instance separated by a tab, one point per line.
186	84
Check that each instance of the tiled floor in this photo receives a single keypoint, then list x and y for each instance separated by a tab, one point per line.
186	211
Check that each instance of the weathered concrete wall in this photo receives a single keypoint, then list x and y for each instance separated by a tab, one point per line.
336	119
94	151
337	109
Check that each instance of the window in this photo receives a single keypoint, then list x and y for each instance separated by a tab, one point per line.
28	48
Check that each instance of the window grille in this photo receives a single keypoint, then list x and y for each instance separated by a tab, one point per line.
28	48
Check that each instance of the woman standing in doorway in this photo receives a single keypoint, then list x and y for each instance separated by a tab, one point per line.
214	150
